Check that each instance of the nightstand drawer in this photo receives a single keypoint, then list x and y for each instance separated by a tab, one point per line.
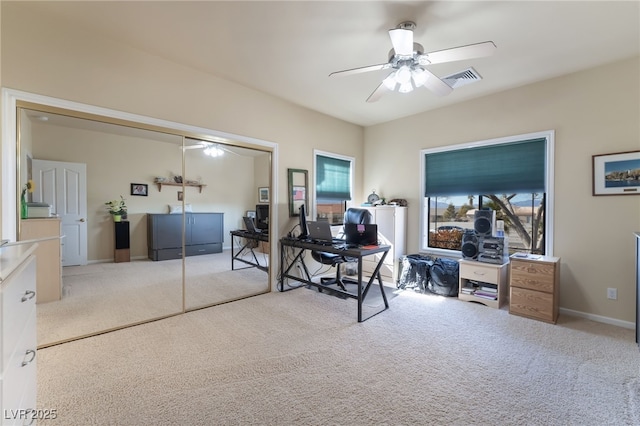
534	276
479	272
532	304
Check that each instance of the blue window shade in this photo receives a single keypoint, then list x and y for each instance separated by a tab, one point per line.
333	178
493	169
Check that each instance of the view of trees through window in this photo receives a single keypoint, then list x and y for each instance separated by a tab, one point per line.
522	214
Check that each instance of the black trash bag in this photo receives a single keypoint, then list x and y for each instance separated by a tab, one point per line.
444	277
415	272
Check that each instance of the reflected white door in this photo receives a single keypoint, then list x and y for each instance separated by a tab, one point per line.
64	187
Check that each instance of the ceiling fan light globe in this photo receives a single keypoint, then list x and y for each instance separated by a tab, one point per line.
403	75
419	77
405	87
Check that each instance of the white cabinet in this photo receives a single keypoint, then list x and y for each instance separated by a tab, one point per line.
392	225
18	339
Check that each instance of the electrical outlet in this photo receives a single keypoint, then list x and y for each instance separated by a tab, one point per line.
612	293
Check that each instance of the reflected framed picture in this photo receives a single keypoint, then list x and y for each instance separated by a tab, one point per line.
139	189
263	195
617	173
297	190
180	196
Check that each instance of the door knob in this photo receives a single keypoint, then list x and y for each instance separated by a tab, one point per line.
82	220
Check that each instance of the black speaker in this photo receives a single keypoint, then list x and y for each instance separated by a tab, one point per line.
122	235
469	244
484	222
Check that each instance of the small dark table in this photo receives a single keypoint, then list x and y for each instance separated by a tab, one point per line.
249	243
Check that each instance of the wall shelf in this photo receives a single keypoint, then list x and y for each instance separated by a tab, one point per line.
198	185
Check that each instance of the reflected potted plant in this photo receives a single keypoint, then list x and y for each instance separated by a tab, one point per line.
29	187
117	208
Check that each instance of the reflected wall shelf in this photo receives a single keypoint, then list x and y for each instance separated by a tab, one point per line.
198	185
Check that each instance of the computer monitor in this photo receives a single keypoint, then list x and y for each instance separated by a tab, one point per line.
262	216
302	223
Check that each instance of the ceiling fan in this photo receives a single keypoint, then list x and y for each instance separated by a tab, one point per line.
408	60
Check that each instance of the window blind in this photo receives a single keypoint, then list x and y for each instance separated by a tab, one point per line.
333	178
515	167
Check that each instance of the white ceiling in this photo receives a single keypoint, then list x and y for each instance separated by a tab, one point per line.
288	49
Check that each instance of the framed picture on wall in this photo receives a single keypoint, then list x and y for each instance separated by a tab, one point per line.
617	173
139	189
263	195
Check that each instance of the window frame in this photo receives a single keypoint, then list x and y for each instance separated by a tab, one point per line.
351	160
548	135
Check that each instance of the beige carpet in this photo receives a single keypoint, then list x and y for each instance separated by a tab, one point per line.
104	296
300	358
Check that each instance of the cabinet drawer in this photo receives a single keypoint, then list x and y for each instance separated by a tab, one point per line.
532	304
203	249
18	378
534	276
16	313
165	254
478	271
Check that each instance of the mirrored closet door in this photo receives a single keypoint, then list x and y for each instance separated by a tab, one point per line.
171	252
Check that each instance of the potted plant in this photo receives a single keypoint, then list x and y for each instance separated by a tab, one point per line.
117	208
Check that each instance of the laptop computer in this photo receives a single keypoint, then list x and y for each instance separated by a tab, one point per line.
250	226
361	235
320	232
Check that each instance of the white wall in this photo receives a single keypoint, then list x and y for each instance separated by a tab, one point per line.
592	112
46	57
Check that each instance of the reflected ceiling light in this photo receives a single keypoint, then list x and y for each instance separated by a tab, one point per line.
213	150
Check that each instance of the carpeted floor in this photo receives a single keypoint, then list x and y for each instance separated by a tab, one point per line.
104	296
300	358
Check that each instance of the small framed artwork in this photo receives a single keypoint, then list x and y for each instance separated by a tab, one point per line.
617	173
263	194
180	196
139	189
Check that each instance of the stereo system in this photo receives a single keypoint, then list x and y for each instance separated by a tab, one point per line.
469	245
493	250
484	222
481	244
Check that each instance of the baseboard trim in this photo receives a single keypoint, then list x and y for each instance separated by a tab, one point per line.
599	318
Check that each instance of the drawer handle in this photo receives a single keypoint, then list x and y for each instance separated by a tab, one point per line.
29	294
479	273
33	356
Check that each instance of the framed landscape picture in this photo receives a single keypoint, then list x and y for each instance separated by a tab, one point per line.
617	173
263	195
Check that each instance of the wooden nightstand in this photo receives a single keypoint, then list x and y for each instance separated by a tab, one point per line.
484	283
534	287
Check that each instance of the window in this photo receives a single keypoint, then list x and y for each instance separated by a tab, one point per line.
512	176
333	183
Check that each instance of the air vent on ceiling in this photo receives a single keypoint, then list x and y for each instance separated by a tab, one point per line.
462	78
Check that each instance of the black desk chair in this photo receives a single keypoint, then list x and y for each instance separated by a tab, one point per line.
352	215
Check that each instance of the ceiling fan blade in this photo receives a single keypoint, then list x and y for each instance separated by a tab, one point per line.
436	85
377	94
477	50
360	70
402	41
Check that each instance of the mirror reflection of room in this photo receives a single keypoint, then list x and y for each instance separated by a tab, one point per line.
106	282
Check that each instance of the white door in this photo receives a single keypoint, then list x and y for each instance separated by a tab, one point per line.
64	187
